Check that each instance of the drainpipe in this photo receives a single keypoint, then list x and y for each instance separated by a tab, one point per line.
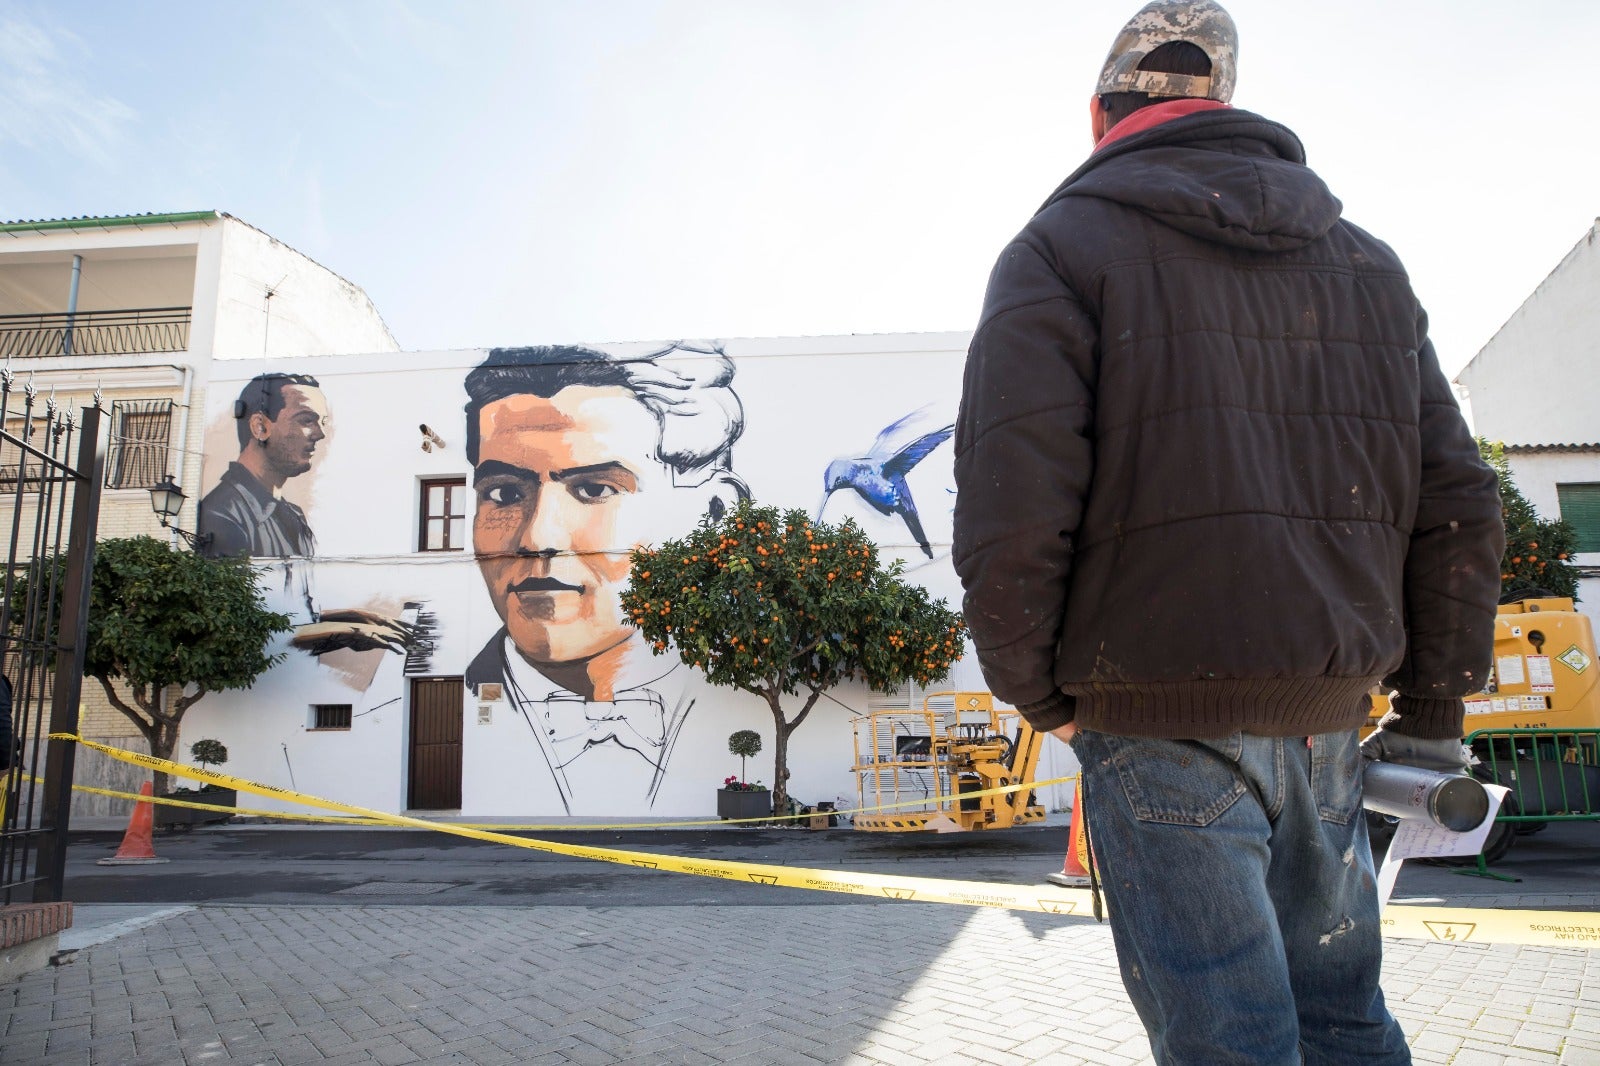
183	441
72	304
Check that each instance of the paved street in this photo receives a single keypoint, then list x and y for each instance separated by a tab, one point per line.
854	983
586	973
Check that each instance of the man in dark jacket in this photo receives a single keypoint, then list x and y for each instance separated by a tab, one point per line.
1213	488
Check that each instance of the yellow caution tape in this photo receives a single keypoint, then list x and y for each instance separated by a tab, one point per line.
518	827
1567	929
169	801
1457	925
928	890
525	827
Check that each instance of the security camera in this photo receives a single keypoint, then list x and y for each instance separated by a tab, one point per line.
430	439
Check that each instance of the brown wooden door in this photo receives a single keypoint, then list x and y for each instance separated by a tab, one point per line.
436	713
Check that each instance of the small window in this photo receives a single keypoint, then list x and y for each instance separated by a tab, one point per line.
1580	506
140	431
330	715
443	525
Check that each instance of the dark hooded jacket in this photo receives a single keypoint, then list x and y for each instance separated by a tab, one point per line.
1210	475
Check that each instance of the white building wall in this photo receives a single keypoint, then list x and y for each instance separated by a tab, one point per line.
1536	380
313	310
805	403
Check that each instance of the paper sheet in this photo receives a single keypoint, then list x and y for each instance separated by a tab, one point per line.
1540	676
1508	670
1419	838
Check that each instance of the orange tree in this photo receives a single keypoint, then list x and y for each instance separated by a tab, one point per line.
776	605
170	626
1539	551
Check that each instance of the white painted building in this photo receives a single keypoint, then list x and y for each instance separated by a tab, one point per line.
138	307
395	503
1536	387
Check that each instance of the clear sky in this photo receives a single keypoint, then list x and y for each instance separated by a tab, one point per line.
535	172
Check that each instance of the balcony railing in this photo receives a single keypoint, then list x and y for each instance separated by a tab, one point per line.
139	330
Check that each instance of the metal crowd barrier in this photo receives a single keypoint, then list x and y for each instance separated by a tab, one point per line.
1553	774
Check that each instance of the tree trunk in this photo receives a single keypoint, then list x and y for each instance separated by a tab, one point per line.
780	765
780	746
162	747
157	724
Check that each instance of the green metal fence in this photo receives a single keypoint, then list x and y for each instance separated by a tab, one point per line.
1553	774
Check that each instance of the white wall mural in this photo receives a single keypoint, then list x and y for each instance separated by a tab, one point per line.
480	644
280	420
577	458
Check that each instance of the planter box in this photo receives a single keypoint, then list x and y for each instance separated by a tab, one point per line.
187	817
744	804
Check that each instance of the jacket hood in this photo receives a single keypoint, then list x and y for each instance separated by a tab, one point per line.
1228	177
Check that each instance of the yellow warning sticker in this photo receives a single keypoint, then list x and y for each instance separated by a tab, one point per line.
1451	930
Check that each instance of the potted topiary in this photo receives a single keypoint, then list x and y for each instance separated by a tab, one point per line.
738	798
206	753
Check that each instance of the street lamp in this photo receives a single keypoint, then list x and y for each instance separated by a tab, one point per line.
166	499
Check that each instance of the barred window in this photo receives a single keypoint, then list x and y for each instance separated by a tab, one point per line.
140	431
330	715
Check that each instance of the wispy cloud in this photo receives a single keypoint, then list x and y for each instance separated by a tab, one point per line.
365	46
44	98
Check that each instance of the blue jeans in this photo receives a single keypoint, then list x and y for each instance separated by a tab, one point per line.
1240	885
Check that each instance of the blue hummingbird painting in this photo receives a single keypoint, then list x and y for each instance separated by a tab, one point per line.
879	477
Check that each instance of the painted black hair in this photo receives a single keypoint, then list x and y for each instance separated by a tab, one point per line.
263	395
692	399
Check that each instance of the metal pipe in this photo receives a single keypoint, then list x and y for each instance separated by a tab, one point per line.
183	448
72	304
1450	801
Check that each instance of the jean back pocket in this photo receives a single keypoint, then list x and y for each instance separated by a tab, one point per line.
1177	782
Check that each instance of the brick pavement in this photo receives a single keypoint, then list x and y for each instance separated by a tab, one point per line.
900	985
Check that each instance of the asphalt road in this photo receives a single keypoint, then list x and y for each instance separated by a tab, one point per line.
288	865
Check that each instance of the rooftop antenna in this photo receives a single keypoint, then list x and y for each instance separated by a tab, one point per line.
269	291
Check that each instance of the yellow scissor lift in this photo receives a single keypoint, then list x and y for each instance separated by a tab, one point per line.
956	744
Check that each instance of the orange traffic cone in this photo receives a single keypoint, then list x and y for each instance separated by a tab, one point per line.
1075	867
137	847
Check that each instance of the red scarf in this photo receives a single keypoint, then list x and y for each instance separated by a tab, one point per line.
1150	117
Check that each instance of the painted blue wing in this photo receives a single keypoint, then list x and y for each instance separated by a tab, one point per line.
888	442
916	451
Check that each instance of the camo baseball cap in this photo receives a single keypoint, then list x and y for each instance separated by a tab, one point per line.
1202	23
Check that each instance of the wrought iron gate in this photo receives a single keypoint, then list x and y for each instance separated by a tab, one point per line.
49	505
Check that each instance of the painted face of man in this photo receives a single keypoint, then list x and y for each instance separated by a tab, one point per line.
566	488
290	440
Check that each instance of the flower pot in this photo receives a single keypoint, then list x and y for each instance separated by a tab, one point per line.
741	804
187	817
